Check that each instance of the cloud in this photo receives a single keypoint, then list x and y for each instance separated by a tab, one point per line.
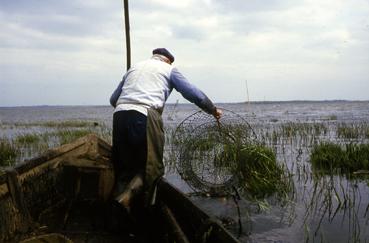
299	45
28	23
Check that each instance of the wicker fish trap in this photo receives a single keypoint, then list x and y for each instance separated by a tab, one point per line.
206	150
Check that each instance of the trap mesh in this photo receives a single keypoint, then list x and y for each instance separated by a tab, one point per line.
205	152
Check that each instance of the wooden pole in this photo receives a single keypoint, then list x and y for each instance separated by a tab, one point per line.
128	38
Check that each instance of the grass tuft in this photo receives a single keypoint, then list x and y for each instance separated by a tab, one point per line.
330	157
353	130
8	153
27	139
259	172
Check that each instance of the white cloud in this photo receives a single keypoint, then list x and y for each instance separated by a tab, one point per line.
301	46
175	4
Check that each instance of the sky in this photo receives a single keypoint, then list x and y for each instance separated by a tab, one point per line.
72	52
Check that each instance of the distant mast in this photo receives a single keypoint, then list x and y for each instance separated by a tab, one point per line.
247	93
128	38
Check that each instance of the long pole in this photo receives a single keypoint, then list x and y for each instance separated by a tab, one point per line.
128	38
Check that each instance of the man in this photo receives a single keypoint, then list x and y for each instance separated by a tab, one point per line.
138	135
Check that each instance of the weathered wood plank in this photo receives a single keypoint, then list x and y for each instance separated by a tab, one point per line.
175	229
194	221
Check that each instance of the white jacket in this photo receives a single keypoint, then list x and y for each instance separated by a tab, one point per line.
148	84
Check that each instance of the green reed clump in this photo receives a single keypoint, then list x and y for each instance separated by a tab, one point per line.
260	174
358	155
330	157
327	156
27	139
349	131
8	153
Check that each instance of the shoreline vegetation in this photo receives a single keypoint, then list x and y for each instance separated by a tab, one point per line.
231	103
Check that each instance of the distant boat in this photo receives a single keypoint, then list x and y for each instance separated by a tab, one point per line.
64	196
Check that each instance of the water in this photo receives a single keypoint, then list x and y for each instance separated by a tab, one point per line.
322	214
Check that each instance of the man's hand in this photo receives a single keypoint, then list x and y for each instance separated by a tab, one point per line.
218	113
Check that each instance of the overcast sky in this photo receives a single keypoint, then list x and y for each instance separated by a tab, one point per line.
72	52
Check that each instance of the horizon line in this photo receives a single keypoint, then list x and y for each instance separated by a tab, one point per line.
185	103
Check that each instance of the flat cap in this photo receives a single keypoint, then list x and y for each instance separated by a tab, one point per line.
164	52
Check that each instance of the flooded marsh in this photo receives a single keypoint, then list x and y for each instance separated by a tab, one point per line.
307	139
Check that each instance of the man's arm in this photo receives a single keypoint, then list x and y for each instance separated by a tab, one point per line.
193	94
114	97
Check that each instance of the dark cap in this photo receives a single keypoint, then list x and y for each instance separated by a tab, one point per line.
164	52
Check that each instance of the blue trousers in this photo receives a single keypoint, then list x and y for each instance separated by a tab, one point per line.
129	152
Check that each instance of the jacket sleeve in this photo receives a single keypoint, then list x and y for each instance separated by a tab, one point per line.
114	97
191	92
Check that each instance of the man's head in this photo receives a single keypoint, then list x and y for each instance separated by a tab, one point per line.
164	52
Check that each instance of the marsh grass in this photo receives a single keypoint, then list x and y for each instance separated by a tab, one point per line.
67	136
328	191
8	152
329	197
299	133
260	175
292	129
353	130
27	139
331	186
348	131
55	124
333	158
70	123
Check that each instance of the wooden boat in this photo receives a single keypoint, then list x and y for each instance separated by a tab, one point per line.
64	196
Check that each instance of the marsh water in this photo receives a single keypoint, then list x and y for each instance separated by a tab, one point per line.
328	208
